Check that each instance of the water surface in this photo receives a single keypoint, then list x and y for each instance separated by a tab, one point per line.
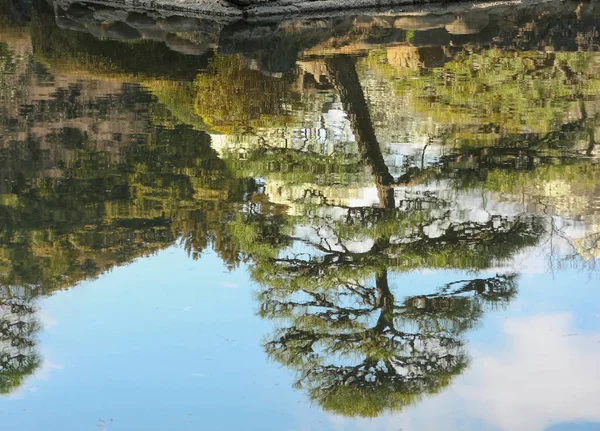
384	221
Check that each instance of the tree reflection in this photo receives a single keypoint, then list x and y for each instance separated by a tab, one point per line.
18	328
359	352
325	281
356	349
248	99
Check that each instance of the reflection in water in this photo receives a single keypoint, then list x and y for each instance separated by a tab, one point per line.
375	354
378	146
18	327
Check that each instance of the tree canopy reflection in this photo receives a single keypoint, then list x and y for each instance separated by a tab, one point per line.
376	354
325	283
18	329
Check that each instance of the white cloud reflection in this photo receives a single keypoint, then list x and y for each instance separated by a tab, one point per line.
547	374
541	373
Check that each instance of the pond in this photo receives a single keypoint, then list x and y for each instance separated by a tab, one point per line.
385	220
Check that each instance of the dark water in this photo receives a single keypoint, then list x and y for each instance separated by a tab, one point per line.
380	222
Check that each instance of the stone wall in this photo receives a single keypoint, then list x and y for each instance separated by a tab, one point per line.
267	9
274	46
